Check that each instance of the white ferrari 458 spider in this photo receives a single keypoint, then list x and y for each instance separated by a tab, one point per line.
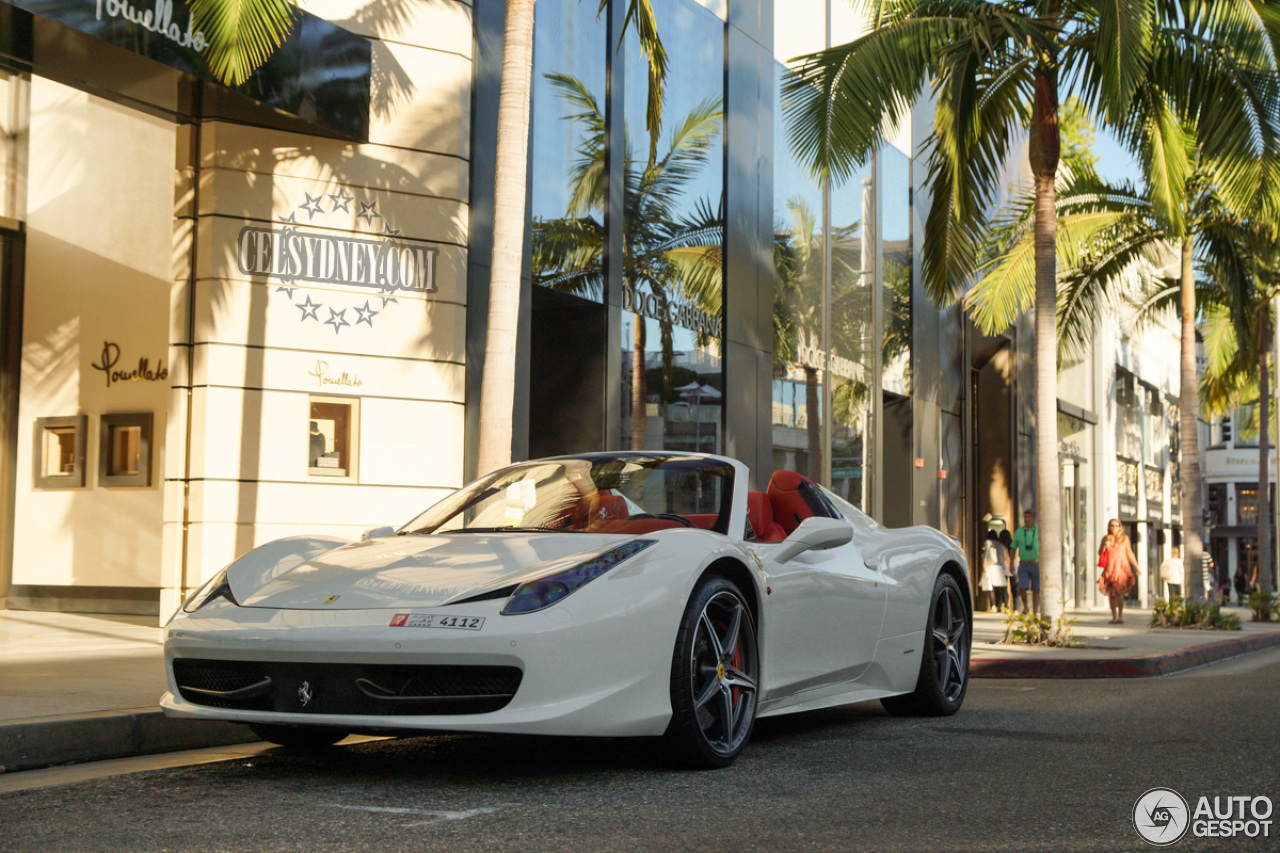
607	594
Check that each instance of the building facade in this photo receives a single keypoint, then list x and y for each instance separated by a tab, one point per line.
231	316
1229	467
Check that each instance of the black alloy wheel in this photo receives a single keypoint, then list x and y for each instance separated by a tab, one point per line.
944	669
299	737
715	673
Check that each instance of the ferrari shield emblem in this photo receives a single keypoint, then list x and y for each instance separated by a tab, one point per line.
331	599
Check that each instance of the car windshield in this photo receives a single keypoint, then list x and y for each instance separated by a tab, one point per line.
624	493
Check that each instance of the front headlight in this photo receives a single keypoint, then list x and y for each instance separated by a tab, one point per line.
543	592
215	587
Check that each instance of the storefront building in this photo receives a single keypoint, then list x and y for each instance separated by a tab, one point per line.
1229	466
234	316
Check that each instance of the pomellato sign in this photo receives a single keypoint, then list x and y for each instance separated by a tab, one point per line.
144	372
158	19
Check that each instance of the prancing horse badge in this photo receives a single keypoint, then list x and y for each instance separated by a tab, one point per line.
304	693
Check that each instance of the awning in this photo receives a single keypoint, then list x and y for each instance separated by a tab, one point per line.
320	74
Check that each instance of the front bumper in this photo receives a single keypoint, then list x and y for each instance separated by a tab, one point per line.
603	675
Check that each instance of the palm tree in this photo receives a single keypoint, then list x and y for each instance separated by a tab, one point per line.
1203	123
1243	264
994	68
663	251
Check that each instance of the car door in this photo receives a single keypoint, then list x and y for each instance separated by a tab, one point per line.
823	617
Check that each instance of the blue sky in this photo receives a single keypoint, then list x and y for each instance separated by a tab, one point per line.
1114	163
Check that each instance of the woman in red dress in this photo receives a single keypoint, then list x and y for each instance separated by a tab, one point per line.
1121	569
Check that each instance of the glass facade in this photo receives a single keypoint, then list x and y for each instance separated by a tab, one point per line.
567	147
673	238
630	248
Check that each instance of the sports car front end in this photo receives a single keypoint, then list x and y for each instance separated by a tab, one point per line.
367	643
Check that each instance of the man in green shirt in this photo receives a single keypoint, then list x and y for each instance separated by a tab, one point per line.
1026	544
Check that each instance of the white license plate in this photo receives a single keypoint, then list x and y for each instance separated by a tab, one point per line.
437	620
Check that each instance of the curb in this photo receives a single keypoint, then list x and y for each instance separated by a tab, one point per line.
46	741
1144	666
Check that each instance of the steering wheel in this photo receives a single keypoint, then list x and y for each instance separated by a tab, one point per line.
666	516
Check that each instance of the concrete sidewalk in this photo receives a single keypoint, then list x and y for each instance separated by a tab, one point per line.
79	687
1131	650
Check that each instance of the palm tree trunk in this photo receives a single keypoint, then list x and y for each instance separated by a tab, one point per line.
639	409
1044	152
497	387
1188	433
1264	451
813	422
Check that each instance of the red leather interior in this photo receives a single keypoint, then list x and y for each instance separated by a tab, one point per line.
789	506
703	520
600	507
760	513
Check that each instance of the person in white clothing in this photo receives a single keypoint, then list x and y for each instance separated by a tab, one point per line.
994	574
1171	573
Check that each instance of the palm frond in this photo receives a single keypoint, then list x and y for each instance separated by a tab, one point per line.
242	34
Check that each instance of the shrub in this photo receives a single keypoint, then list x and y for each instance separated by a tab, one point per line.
1264	607
1030	629
1180	613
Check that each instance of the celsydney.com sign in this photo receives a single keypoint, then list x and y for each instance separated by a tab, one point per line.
289	255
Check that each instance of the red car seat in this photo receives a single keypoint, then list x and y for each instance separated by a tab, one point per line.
789	504
760	513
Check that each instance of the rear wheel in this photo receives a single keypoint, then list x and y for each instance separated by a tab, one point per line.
298	737
715	670
944	670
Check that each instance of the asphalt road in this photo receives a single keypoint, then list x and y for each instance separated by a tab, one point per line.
1027	765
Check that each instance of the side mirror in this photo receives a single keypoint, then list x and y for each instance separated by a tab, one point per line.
815	534
376	533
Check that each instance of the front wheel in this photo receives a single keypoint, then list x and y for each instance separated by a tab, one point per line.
715	672
298	737
944	671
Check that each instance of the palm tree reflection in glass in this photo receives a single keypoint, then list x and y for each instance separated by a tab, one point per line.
669	255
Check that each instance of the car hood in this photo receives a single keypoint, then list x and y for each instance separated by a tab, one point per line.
412	571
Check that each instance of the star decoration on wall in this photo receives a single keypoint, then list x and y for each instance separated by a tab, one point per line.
366	314
388	230
309	309
292	217
287	290
312	206
340	201
369	212
338	319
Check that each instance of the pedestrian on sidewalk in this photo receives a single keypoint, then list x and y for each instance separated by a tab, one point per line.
1120	569
1241	584
993	570
1171	573
1026	546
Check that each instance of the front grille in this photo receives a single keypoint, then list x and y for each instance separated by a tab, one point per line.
332	688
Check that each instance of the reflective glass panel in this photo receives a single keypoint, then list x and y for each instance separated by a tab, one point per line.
567	148
853	247
895	269
673	233
799	354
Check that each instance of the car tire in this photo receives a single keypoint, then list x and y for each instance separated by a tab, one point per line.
715	673
298	737
944	666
